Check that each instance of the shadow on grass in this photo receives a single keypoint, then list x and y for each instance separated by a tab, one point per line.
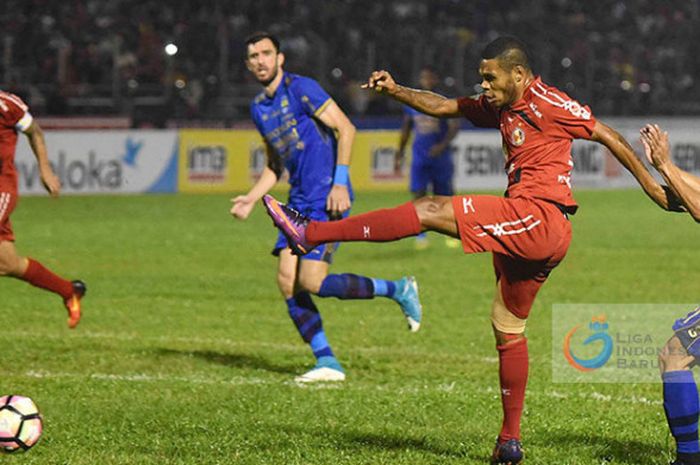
353	440
614	450
356	439
232	360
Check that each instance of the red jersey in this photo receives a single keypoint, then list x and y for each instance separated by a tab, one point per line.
537	132
14	116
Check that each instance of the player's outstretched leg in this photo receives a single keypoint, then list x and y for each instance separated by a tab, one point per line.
307	319
680	391
377	226
351	286
34	273
71	291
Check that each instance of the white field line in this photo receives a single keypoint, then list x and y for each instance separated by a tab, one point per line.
246	381
252	381
146	378
300	348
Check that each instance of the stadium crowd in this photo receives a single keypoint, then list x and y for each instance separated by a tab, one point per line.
98	56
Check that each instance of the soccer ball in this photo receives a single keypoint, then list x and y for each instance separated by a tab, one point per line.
20	423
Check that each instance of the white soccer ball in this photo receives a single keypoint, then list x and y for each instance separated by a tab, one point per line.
20	423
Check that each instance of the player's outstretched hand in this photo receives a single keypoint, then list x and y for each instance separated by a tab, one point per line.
381	81
242	206
655	142
51	182
338	201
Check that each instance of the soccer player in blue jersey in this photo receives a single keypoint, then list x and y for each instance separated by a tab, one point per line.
307	135
681	352
431	164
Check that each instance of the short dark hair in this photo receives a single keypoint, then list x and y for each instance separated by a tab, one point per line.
256	37
509	51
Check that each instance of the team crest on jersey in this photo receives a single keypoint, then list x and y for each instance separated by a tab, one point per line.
517	137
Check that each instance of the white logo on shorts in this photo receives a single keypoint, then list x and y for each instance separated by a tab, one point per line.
507	228
467	204
365	231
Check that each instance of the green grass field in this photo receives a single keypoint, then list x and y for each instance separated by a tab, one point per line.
186	355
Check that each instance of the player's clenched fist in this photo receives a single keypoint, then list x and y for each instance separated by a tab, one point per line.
381	81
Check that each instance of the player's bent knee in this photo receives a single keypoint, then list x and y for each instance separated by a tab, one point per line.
433	210
310	283
10	267
504	321
673	356
285	283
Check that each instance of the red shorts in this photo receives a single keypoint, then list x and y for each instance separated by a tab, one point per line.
8	200
528	238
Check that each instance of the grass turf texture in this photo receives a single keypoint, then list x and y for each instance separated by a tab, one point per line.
186	354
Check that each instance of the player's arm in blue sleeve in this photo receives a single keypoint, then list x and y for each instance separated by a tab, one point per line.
317	103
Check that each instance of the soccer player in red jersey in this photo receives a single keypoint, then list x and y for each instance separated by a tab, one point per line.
682	351
528	232
14	118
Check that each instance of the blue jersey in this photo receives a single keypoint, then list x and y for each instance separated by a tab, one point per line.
289	123
428	131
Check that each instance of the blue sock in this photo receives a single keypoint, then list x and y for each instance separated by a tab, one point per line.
319	345
384	288
306	318
351	286
422	236
682	409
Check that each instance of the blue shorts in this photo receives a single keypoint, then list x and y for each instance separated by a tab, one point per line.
323	252
434	171
687	329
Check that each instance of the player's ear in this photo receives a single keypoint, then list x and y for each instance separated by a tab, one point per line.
518	74
280	59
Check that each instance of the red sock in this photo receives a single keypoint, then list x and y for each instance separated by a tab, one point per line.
513	369
385	225
38	276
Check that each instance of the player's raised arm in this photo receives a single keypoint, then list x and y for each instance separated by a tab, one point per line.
424	101
683	184
36	140
623	151
333	117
